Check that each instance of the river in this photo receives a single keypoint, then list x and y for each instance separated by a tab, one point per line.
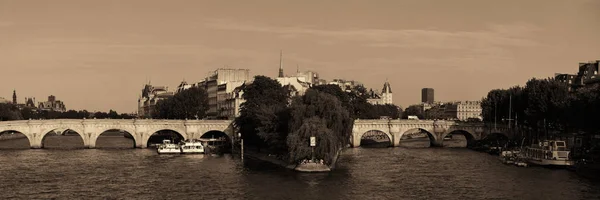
362	173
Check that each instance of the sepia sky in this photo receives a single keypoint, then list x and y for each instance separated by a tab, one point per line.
96	55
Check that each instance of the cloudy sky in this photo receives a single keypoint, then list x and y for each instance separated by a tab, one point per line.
96	55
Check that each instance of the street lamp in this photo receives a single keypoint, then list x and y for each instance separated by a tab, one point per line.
242	146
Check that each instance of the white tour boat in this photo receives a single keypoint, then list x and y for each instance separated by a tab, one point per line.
548	153
167	147
192	146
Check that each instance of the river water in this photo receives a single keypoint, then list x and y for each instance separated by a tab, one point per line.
362	173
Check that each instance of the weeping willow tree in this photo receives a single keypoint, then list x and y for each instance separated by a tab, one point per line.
320	115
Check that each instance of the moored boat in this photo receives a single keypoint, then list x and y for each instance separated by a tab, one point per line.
192	146
167	147
509	157
548	153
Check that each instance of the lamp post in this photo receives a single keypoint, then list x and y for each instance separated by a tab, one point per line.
241	144
313	143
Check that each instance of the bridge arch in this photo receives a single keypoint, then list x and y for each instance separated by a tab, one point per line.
432	137
64	129
128	133
469	136
357	139
215	134
12	131
156	132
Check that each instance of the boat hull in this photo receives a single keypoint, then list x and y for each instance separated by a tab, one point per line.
547	162
168	151
196	151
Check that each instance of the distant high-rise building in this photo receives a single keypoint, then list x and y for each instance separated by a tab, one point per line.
427	95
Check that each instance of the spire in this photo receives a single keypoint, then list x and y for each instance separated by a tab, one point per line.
386	87
281	63
14	97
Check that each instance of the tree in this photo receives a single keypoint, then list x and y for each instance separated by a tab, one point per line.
584	107
188	104
336	91
547	101
318	111
263	116
413	110
9	112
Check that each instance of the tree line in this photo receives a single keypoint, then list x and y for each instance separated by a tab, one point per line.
12	112
544	108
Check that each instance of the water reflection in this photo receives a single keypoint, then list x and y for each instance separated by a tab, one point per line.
362	173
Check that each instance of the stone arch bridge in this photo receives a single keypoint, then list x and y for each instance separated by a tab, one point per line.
90	129
142	129
436	130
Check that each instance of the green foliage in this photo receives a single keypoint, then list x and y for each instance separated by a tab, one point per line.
188	104
299	141
318	111
263	117
9	112
544	104
413	110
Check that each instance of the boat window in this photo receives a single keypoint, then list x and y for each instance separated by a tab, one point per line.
560	144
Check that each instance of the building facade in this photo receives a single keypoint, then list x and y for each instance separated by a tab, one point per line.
346	85
52	105
427	95
230	108
149	97
385	97
219	85
586	76
463	110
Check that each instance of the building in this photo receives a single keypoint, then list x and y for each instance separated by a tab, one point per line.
427	95
385	97
52	105
299	83
463	110
149	97
587	75
346	85
218	85
568	79
183	86
230	109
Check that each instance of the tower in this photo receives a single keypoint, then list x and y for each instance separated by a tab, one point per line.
281	63
427	95
14	97
386	93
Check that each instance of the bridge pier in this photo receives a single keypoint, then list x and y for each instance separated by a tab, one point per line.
437	143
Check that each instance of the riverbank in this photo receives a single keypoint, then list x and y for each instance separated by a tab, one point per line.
249	154
308	167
